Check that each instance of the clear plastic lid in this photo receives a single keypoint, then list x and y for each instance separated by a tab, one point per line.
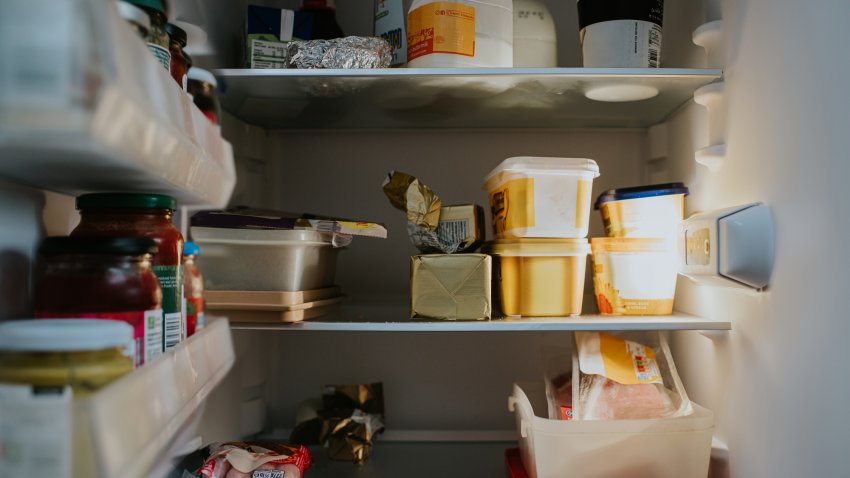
533	164
629	244
64	335
524	247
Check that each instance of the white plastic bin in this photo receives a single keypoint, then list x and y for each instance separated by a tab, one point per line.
667	448
265	259
541	197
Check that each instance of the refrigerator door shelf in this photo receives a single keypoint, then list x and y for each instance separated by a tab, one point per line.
732	247
89	109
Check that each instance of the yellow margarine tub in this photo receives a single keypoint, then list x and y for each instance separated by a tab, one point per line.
541	197
539	277
634	276
643	211
85	354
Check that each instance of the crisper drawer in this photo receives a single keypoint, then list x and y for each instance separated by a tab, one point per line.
665	448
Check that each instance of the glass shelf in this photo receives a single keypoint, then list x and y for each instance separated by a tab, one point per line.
442	98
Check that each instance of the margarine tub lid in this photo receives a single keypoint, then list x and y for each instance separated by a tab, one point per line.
638	192
630	244
532	164
538	247
64	335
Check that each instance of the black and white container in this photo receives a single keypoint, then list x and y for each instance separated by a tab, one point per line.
621	33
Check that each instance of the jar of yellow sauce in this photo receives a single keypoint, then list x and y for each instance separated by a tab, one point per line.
85	354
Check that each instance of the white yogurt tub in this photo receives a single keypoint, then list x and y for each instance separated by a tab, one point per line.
634	276
643	211
541	197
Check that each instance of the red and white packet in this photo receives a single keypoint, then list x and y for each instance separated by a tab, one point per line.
256	460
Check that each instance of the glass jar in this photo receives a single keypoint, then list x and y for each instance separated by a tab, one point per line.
179	62
158	40
81	353
103	278
136	17
193	287
143	215
203	88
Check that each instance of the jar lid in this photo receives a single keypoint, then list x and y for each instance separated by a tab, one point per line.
640	192
199	74
134	14
157	5
534	246
631	244
125	201
177	34
128	246
64	335
191	249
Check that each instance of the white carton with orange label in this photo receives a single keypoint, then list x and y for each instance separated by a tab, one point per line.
541	197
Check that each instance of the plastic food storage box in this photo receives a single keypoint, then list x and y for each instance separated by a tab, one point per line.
666	448
540	277
265	259
541	197
644	211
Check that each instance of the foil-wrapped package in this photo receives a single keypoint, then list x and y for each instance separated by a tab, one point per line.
348	52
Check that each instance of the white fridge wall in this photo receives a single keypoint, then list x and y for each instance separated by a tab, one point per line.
777	383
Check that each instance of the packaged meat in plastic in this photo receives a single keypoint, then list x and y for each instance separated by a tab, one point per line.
626	379
558	375
256	460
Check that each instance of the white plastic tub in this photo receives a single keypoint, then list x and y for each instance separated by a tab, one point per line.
541	197
666	448
634	276
265	259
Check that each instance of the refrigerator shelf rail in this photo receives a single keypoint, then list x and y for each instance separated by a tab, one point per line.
89	109
442	98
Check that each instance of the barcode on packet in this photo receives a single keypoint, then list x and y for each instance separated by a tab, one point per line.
454	230
172	330
654	46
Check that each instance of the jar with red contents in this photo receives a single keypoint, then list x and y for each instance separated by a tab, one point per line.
143	215
180	62
103	278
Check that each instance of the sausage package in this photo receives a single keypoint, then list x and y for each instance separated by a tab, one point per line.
256	460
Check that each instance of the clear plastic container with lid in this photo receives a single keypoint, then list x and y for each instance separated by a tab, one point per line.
103	278
458	34
541	197
84	354
143	215
540	277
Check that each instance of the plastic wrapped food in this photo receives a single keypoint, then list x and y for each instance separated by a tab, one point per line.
605	399
256	460
348	52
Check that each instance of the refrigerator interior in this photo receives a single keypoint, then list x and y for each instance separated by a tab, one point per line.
773	382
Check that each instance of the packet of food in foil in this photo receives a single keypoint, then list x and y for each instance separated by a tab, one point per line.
407	193
348	52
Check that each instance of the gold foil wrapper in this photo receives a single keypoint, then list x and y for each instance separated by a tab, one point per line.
451	286
416	199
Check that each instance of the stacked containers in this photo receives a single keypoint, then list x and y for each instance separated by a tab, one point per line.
635	267
541	210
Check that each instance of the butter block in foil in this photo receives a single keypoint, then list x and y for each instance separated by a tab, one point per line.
348	52
451	286
460	229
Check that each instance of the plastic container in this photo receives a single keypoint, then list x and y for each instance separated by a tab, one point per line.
541	197
644	211
193	289
677	447
83	354
143	215
540	277
620	34
265	259
634	276
472	33
103	278
535	41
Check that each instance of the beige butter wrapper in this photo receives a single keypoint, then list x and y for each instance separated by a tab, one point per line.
407	193
451	286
